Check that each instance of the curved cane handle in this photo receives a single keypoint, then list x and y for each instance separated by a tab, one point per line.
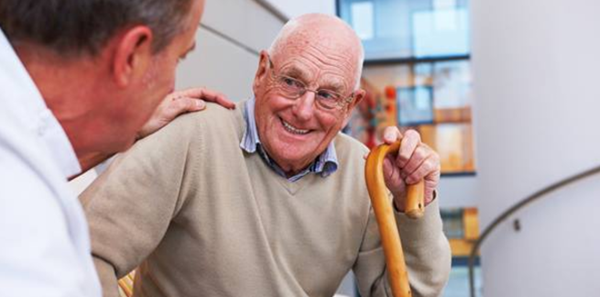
384	213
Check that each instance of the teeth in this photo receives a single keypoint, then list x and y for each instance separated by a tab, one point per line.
292	129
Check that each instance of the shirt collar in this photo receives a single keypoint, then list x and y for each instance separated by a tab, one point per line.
325	164
36	114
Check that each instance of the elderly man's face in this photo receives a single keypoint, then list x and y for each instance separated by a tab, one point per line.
295	131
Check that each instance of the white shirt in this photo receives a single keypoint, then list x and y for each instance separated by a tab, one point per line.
44	240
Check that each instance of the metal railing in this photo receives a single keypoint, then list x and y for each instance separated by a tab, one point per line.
521	204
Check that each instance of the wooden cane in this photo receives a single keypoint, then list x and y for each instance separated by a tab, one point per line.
384	213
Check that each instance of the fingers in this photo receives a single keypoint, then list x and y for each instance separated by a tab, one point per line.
391	134
187	104
414	162
410	143
430	186
427	167
429	171
223	101
178	103
418	157
390	174
205	94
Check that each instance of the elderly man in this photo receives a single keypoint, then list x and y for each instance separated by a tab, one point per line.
268	200
78	79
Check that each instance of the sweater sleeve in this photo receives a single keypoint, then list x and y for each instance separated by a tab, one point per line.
426	252
129	207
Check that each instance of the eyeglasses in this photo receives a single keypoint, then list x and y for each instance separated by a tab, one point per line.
292	88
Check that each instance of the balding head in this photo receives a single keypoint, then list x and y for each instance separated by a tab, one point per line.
329	33
306	87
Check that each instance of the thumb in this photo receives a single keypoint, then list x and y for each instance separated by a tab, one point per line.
391	134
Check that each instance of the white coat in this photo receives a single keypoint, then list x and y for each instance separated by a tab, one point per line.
44	238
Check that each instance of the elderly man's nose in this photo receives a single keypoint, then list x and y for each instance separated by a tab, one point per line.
304	106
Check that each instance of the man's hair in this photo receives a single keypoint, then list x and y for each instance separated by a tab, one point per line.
74	27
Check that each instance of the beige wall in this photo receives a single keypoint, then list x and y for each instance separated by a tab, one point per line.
536	118
230	36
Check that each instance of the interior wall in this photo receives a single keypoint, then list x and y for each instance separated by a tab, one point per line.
229	39
535	69
293	8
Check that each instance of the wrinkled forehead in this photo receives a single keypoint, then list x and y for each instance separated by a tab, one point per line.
320	55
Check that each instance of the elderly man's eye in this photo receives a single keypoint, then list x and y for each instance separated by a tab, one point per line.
290	82
327	95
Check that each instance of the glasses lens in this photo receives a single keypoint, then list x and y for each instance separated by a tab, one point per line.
291	87
328	99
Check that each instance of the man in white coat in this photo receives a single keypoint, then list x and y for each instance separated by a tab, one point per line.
78	79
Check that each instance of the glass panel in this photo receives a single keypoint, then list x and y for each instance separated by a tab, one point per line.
458	284
440	33
454	144
453	222
461	226
452	84
432	97
415	105
392	29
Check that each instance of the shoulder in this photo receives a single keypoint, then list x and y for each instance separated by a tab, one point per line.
191	135
348	147
213	121
215	113
212	114
351	162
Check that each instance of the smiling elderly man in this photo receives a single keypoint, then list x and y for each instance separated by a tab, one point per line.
269	199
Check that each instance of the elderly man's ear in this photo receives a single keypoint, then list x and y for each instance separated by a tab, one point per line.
261	72
358	97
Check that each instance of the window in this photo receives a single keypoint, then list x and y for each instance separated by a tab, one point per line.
395	29
417	74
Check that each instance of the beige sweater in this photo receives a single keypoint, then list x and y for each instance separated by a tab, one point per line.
200	217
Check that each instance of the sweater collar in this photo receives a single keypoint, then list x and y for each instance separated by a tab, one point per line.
325	164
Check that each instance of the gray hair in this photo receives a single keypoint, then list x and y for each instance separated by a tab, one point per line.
75	27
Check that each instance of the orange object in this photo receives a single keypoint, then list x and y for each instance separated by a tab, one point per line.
126	285
390	93
384	213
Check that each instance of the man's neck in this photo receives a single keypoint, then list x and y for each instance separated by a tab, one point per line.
68	89
289	170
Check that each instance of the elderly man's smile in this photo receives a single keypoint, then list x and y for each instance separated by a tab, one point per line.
288	127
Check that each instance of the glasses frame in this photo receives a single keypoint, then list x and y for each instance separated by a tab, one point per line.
341	103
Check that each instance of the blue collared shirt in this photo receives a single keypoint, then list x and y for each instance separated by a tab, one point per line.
325	164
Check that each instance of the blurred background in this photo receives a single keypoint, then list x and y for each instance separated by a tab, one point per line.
507	93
